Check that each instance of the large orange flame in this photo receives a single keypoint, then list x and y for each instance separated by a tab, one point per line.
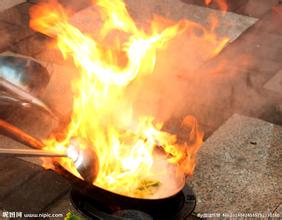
102	111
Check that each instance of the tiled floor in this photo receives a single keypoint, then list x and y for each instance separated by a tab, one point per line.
233	175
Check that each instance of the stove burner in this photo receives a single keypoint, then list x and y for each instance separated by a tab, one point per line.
178	208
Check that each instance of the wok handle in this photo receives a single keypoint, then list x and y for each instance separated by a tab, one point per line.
19	135
29	153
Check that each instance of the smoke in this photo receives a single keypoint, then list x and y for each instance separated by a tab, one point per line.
172	88
5	39
261	7
190	79
74	5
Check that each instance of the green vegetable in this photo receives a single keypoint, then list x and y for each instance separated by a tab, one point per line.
71	216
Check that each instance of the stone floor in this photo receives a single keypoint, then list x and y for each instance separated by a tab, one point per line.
239	164
253	8
239	168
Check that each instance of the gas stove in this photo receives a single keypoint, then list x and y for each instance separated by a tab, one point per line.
178	207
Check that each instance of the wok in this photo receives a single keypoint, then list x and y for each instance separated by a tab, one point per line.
22	79
24	72
168	202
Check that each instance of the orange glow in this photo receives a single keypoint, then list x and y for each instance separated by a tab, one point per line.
102	110
207	2
222	4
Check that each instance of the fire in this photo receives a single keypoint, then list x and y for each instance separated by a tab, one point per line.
102	110
222	4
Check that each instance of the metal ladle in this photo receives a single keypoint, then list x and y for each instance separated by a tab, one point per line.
79	151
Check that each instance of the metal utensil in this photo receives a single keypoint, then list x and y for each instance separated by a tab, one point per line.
13	93
79	150
7	152
21	80
85	160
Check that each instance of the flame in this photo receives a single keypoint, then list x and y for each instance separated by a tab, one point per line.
222	4
102	110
